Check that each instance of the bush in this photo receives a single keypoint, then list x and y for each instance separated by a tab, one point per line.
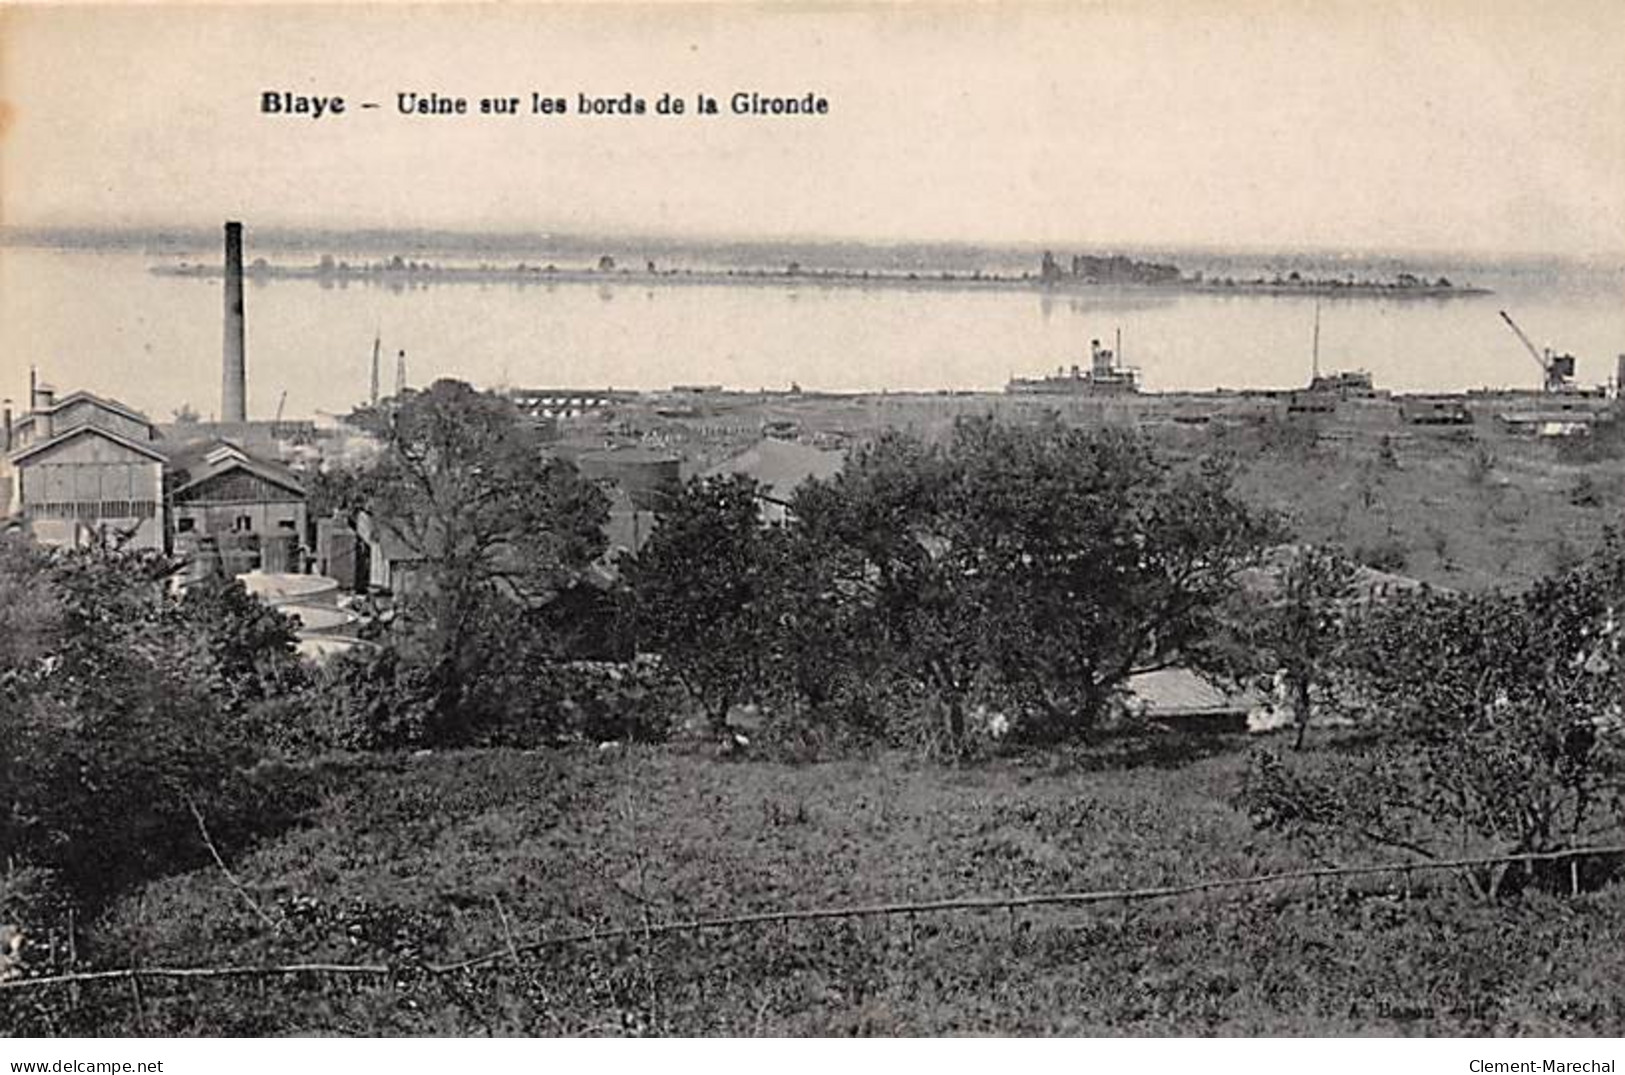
1496	720
632	702
126	711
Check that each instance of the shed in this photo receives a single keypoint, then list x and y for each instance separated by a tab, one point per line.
1184	700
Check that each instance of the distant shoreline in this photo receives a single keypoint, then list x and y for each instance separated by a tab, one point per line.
524	275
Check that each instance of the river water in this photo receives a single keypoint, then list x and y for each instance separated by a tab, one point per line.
102	321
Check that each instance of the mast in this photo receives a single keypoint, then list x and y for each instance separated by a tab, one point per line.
1315	374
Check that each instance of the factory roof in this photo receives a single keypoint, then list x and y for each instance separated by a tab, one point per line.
89	430
81	396
781	466
202	462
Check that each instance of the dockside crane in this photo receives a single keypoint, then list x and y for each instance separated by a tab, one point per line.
1557	370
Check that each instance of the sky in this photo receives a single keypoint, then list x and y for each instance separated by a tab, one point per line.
1485	126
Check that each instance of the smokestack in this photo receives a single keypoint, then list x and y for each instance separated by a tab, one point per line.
234	376
44	421
6	407
400	375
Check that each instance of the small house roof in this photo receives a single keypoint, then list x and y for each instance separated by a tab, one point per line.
1171	692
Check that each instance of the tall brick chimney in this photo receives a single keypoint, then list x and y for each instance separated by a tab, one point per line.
234	375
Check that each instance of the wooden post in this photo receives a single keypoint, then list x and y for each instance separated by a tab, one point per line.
73	962
135	993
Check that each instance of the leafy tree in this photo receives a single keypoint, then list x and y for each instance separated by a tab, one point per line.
244	651
124	707
701	593
821	662
1299	631
1094	559
1499	722
902	584
499	524
1052	562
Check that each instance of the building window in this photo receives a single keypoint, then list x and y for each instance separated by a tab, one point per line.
184	525
285	524
244	524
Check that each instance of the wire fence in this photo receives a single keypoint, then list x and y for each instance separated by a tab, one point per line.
515	950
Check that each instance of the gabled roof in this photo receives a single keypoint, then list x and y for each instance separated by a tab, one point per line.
222	457
93	430
81	396
781	466
121	409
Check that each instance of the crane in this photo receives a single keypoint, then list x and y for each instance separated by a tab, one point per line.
1557	369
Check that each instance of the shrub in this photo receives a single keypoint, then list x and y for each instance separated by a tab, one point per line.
1498	723
126	711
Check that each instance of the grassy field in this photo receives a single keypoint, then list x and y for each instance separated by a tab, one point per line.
412	860
1462	513
1464	507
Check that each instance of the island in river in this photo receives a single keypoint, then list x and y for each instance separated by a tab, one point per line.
1083	272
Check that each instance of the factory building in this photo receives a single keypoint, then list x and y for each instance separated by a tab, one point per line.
85	469
217	488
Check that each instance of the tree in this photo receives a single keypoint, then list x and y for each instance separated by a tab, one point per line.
243	650
1095	559
900	580
1499	725
820	655
701	591
497	522
123	707
1299	632
1053	563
